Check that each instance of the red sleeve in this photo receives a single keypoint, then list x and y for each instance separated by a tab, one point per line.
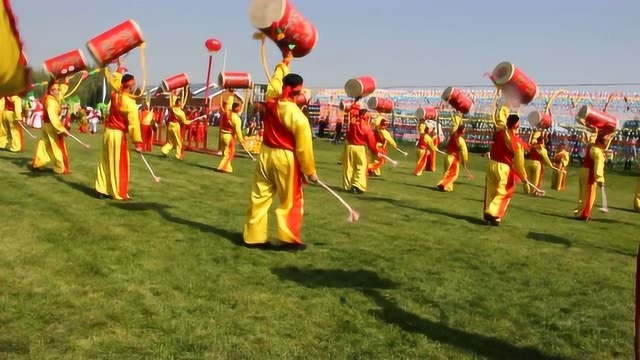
371	141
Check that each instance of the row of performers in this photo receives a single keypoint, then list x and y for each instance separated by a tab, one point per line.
286	161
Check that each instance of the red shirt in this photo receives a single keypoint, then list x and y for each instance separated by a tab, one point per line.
452	144
359	133
276	135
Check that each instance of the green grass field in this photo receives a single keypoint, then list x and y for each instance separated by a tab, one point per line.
418	277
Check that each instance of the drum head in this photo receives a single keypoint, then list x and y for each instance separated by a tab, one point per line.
534	118
503	72
353	88
263	13
345	105
420	113
446	94
372	103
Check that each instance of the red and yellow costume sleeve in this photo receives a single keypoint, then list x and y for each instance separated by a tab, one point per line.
181	116
237	125
52	107
501	117
14	73
114	78
274	89
562	158
545	156
298	124
518	157
131	109
389	139
456	120
464	152
147	118
598	164
430	144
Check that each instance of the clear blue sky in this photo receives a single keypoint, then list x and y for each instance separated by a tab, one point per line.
401	42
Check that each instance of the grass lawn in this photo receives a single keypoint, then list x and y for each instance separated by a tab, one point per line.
418	277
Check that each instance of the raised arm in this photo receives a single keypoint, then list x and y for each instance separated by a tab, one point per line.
274	89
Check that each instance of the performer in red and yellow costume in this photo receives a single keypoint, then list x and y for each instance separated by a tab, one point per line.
356	160
177	118
14	73
286	156
10	114
51	146
112	174
506	165
231	129
538	157
424	147
432	156
561	160
591	177
146	129
457	154
383	138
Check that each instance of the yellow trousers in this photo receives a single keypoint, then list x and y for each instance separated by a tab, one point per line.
229	152
11	129
422	155
112	175
558	180
376	167
498	189
51	146
277	172
588	193
174	140
452	170
636	201
344	152
535	174
354	167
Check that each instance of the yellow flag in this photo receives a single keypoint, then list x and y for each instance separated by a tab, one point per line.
14	73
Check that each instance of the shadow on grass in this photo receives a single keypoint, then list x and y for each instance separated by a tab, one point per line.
478	344
333	278
87	190
629	210
470	219
205	167
558	240
370	283
233	237
432	188
17	161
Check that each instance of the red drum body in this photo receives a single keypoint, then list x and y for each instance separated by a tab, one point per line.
428	113
281	22
110	45
360	87
235	80
175	82
65	64
594	118
381	105
513	81
539	120
345	105
457	99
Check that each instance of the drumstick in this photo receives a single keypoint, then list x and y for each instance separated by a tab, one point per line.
155	178
559	170
469	174
26	130
402	152
248	152
441	152
353	215
605	203
393	162
541	192
86	146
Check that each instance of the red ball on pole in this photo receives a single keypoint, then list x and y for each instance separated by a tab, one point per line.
213	45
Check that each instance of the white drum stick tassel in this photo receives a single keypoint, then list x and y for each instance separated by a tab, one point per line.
155	178
86	146
393	162
353	215
26	130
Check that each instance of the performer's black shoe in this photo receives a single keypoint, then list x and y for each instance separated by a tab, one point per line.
441	187
102	196
290	247
356	191
263	246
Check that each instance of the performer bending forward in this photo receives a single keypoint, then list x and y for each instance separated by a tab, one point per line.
286	156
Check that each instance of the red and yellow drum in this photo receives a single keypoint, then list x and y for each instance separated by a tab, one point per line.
110	45
593	118
345	105
514	82
235	80
280	21
381	105
540	120
66	64
175	82
427	113
457	99
360	87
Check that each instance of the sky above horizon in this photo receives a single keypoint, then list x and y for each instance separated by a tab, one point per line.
400	43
